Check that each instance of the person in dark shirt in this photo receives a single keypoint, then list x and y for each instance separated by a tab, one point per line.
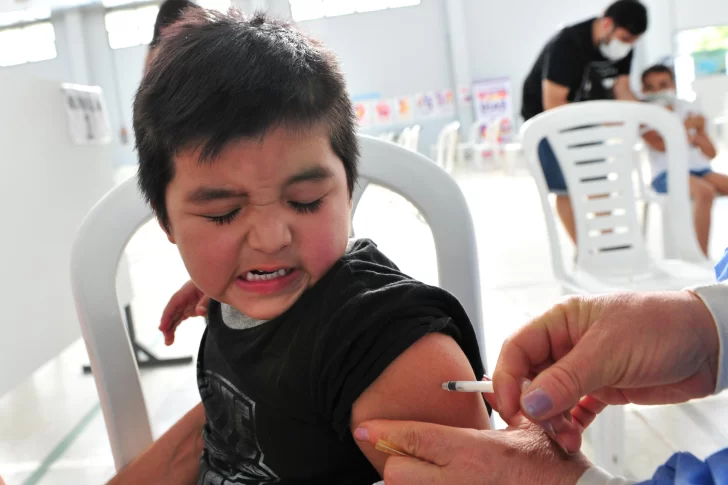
248	155
587	61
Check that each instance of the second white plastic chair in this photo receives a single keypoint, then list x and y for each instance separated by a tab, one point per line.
593	142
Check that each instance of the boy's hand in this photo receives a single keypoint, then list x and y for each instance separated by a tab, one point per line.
695	122
188	302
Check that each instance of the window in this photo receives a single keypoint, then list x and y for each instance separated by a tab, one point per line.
27	43
316	9
135	26
130	27
700	52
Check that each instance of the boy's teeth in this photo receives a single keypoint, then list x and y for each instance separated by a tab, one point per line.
250	276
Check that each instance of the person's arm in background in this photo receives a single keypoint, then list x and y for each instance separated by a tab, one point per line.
174	459
654	140
554	95
622	89
700	138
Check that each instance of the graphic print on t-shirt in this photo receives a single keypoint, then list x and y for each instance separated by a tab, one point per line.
232	428
597	82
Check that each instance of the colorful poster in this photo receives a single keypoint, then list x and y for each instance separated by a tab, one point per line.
465	96
426	105
405	109
493	104
445	103
384	112
363	111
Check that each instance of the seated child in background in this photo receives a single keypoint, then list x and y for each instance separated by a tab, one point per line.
658	86
248	156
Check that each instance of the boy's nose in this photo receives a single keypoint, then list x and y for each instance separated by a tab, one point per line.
269	235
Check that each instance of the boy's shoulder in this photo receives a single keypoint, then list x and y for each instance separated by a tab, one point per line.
366	278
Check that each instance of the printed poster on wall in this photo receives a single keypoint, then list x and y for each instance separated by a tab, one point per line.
384	112
363	111
445	103
426	105
405	108
88	118
493	104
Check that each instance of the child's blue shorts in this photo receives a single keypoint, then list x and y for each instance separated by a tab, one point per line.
659	184
551	168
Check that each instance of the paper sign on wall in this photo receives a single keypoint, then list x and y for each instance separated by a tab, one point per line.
493	105
405	109
445	102
88	118
363	114
384	112
426	107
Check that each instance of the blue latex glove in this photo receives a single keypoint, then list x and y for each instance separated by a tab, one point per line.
721	269
684	468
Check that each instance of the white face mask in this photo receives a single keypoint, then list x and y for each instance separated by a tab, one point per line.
666	98
615	49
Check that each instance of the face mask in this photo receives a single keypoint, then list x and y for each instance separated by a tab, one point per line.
615	49
666	98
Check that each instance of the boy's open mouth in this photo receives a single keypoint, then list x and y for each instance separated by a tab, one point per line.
258	275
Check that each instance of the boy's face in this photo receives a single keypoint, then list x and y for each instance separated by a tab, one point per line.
264	221
657	82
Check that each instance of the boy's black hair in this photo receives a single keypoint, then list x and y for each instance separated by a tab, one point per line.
658	69
169	12
628	14
221	77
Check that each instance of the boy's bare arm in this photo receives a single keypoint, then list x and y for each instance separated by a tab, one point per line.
174	459
409	389
703	142
654	140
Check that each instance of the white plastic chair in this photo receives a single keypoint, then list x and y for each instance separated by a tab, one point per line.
593	142
447	145
112	222
484	149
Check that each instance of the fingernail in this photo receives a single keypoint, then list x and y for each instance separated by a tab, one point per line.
487	378
549	428
201	309
361	434
537	403
523	383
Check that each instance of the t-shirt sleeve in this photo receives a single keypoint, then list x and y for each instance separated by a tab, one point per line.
365	339
624	67
561	64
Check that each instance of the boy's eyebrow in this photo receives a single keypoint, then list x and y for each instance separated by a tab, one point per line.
313	174
208	194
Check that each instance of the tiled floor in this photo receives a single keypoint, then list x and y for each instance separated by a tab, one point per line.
52	431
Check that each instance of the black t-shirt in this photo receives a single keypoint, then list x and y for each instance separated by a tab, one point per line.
278	396
571	59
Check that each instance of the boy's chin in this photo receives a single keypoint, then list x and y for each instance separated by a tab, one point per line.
266	308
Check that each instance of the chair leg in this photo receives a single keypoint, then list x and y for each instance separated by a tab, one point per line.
607	439
645	218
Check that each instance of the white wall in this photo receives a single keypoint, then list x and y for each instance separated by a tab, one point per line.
47	187
690	14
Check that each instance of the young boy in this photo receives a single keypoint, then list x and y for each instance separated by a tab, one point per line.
248	156
658	86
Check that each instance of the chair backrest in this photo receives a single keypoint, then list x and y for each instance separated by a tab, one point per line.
413	141
113	221
447	146
404	135
594	143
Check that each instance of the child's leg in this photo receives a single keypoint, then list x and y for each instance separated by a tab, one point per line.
702	193
719	181
566	214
